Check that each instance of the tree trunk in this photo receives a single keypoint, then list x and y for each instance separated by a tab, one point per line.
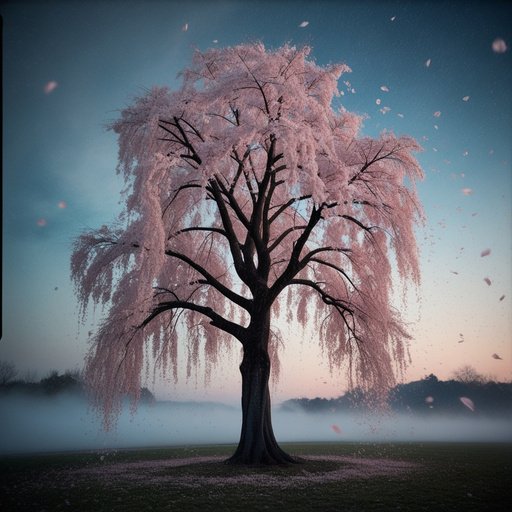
257	442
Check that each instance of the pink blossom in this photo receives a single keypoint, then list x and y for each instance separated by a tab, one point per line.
176	262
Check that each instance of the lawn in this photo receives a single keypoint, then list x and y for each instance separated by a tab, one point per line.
341	476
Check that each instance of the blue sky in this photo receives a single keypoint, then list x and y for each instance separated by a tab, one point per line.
102	54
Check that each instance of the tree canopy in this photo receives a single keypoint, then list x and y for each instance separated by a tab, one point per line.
247	189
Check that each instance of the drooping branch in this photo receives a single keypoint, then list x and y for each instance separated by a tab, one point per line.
342	307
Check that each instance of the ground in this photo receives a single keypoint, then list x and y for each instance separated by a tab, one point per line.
342	476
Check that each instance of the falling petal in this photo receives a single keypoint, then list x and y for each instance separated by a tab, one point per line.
304	24
400	115
41	222
466	153
56	288
466	98
378	101
384	88
467	191
499	45
454	272
468	403
436	127
485	252
487	280
215	41
393	18
429	399
336	429
384	110
428	62
496	356
185	27
437	113
502	297
62	204
50	87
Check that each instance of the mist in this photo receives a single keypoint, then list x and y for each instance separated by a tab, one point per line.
63	423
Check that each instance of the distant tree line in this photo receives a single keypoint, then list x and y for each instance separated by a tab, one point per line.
469	393
55	383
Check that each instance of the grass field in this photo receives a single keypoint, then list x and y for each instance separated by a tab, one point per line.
342	476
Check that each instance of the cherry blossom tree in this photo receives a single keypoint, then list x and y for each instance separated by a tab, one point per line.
250	198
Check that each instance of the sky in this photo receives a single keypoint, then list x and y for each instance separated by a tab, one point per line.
438	71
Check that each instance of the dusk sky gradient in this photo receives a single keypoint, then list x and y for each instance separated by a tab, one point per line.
425	69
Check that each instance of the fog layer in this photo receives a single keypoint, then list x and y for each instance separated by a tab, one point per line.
65	423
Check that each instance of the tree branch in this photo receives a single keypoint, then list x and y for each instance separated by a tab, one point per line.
211	280
216	320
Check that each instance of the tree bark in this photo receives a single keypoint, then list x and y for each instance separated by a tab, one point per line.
257	443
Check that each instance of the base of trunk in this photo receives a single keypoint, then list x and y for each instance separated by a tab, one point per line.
268	457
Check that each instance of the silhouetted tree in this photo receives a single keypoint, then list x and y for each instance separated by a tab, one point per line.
8	373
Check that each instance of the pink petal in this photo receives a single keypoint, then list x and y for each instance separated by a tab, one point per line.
336	429
62	204
437	113
499	46
50	87
468	403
